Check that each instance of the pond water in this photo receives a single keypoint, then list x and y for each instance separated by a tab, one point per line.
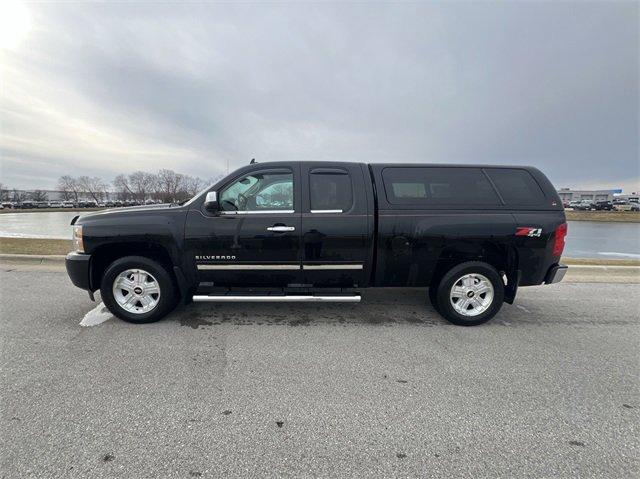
590	239
586	239
53	224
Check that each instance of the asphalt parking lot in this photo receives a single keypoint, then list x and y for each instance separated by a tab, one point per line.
383	388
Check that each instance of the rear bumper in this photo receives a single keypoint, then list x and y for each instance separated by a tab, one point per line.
555	274
78	269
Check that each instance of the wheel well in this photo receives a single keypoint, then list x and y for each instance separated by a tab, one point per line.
501	257
102	257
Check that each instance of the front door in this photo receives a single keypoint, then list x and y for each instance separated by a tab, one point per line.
254	238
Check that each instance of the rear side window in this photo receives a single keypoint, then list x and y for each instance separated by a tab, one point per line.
330	189
438	186
517	187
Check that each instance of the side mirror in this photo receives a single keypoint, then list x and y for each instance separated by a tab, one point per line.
211	201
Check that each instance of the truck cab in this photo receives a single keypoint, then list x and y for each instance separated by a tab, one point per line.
284	225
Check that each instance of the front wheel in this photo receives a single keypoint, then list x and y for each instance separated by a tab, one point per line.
138	290
470	293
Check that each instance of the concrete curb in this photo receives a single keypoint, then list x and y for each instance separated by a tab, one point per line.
603	266
33	258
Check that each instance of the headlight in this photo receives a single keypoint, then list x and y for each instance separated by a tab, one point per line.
78	245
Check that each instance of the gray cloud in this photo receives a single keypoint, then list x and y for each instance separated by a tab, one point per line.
103	89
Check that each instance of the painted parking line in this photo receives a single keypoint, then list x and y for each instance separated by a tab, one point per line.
96	316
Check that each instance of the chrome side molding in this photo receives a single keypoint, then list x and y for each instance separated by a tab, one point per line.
332	266
275	299
258	212
289	267
248	267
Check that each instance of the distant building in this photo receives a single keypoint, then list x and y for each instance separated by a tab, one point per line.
567	194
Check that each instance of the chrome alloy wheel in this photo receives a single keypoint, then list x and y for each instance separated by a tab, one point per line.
471	295
136	291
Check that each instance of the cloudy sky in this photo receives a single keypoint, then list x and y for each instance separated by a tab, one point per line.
103	89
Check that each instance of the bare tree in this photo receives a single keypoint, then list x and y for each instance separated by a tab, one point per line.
68	186
169	184
18	197
166	185
193	185
39	195
142	183
157	192
94	186
4	192
121	184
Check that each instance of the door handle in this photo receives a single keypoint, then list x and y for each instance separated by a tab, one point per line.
281	229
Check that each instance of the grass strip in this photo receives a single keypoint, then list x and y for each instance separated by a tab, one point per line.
35	246
604	216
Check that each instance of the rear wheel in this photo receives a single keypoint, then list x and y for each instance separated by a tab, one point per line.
470	293
138	290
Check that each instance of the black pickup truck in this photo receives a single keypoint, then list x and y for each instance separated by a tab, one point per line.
322	231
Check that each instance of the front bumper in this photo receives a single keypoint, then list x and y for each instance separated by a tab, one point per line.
78	268
555	274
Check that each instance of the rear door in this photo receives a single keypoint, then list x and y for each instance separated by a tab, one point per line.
335	225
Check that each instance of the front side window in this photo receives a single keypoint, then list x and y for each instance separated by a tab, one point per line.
330	191
259	191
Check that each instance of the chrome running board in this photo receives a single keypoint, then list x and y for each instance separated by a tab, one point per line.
291	298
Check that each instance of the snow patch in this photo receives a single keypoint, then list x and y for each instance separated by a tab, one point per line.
622	255
96	316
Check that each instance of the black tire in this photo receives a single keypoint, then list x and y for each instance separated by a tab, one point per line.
445	307
167	299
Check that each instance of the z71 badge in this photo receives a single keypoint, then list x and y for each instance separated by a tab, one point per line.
528	231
